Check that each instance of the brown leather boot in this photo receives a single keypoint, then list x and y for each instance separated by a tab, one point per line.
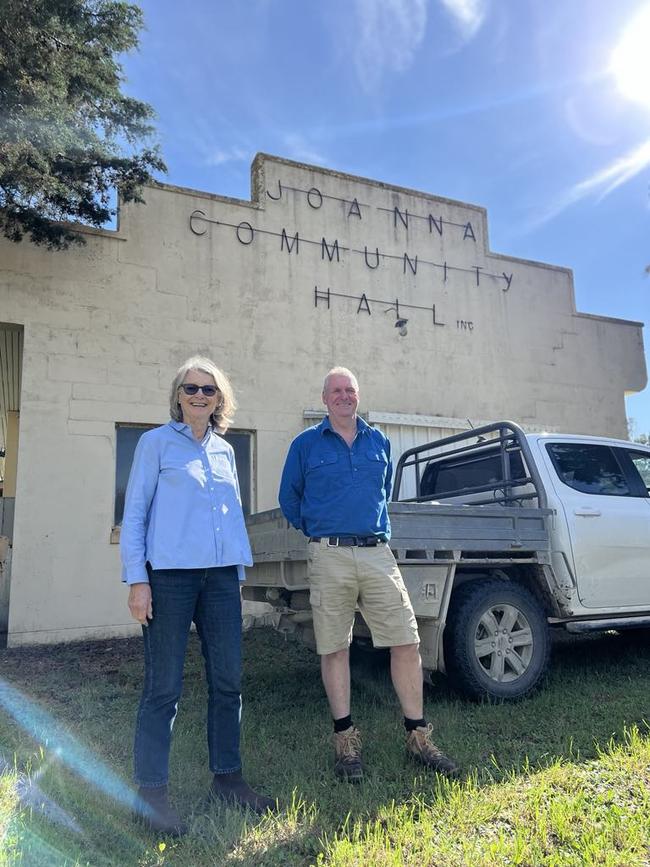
347	755
154	811
421	748
234	790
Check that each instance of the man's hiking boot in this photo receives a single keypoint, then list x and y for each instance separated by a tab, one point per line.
154	811
347	755
234	790
421	748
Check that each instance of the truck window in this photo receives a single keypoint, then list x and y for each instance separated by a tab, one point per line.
455	474
589	468
641	461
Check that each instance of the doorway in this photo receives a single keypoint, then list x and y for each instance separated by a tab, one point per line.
11	365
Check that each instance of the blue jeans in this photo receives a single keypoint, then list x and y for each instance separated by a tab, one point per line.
210	598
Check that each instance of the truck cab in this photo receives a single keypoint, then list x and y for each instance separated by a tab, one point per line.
598	490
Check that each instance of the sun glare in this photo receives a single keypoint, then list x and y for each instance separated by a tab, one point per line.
630	64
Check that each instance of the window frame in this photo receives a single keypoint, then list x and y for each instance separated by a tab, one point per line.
625	465
438	463
247	494
635	479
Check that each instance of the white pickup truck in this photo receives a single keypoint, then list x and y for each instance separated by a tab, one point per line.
501	536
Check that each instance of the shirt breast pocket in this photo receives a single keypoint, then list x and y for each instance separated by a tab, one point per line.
375	462
220	465
321	463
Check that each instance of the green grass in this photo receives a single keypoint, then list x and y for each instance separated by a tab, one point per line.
562	778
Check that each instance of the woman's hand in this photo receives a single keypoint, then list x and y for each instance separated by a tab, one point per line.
140	603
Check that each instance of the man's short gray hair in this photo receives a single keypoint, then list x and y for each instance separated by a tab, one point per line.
340	371
222	417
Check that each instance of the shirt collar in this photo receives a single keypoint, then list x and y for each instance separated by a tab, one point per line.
362	426
184	428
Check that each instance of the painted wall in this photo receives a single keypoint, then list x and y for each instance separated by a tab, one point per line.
106	325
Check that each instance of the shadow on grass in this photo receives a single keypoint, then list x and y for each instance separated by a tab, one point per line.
598	686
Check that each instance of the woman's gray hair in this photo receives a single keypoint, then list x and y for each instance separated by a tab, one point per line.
222	417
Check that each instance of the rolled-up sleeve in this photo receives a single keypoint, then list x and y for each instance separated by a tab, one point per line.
140	491
292	486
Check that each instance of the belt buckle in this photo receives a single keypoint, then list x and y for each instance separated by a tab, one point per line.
331	544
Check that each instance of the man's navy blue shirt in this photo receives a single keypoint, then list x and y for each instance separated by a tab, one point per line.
331	489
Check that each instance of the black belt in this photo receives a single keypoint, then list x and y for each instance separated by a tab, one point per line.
351	541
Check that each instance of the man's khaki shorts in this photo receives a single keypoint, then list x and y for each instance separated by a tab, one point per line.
342	578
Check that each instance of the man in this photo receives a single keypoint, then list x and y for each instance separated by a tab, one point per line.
335	488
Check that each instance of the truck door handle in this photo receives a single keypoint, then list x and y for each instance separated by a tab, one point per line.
586	512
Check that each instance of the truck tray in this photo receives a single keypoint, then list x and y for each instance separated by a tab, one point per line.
421	533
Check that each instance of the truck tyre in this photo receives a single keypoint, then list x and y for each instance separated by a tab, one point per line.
497	643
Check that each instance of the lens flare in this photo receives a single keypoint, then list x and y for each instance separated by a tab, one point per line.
630	63
61	744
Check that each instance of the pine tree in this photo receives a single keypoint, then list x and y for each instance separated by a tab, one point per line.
68	135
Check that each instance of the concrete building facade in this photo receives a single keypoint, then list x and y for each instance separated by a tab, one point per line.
318	269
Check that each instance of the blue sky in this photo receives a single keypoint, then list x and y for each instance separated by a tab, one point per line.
508	104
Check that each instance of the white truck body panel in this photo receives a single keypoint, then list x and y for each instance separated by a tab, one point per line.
605	537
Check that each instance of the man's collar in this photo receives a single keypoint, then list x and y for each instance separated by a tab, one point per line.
326	424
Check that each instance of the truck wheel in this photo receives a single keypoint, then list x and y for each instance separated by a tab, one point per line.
497	643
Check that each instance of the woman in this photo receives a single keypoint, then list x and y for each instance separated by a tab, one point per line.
184	547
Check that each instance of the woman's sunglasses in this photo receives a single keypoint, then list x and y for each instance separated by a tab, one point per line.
190	388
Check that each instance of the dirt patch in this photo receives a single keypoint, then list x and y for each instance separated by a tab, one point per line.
85	659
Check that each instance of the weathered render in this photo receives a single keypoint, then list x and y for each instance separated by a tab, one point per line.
318	269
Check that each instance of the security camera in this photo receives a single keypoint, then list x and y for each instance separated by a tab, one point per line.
401	324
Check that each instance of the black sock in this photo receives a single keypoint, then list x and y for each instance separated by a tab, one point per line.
411	724
341	725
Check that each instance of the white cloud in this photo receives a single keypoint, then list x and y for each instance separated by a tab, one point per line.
227	155
614	175
602	183
391	32
467	14
298	147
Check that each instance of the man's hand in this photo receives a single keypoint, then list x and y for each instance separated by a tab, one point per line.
140	603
